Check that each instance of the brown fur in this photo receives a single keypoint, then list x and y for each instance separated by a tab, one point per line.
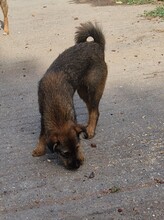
4	7
80	68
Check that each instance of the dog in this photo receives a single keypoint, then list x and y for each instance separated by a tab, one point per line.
80	68
4	7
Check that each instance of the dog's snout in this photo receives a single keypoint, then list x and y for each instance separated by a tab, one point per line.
74	165
77	164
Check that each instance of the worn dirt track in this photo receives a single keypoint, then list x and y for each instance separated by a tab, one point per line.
123	175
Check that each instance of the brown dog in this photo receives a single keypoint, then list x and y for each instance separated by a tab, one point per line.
80	68
4	6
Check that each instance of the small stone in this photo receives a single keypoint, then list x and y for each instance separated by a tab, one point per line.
93	145
92	175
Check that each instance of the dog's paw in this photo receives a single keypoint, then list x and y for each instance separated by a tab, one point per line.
90	133
37	153
34	153
6	33
89	136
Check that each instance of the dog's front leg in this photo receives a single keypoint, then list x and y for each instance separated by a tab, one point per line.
4	7
93	118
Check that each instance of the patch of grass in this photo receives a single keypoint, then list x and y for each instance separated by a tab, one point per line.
137	2
158	12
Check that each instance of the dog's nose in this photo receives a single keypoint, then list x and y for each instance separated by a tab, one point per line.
75	165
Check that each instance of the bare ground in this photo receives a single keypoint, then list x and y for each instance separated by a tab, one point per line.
123	176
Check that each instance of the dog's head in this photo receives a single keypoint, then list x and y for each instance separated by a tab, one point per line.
66	143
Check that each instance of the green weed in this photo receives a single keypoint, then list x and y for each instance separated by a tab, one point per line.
137	2
158	12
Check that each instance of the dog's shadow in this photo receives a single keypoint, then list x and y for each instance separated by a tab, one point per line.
53	158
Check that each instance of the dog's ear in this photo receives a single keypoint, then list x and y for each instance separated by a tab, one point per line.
80	129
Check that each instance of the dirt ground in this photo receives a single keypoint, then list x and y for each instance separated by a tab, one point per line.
123	175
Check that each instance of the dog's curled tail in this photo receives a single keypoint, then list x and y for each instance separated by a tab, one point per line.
89	30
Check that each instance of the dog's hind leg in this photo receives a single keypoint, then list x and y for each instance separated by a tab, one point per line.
91	91
41	145
4	7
